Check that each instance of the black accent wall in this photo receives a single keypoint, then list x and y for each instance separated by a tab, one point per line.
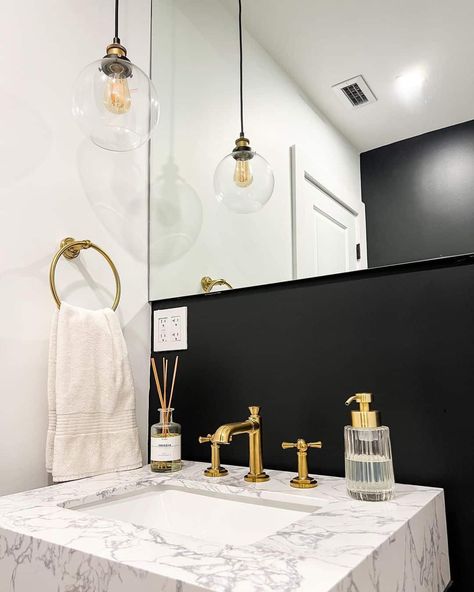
300	348
419	196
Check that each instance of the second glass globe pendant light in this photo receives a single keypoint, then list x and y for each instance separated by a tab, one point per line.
114	101
243	180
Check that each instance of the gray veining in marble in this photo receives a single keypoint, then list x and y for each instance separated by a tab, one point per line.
344	546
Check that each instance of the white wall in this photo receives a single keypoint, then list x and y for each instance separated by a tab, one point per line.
53	184
195	67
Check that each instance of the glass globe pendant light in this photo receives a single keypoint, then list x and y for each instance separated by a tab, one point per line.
114	101
243	180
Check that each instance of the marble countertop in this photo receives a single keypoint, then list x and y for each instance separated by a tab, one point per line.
344	546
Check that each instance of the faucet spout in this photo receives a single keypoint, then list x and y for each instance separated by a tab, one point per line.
224	433
251	426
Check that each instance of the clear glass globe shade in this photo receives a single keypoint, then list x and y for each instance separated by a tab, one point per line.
244	187
116	113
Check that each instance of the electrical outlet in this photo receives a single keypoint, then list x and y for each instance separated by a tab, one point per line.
170	329
176	328
162	330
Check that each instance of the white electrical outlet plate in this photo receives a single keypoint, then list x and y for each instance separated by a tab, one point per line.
170	329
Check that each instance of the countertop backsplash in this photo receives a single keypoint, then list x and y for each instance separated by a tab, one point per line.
300	349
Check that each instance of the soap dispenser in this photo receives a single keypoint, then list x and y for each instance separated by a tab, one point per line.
368	454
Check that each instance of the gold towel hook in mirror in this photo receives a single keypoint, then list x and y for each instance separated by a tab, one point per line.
71	248
208	283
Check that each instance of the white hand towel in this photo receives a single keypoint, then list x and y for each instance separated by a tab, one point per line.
92	423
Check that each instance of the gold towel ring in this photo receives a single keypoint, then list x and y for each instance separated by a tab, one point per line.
71	249
208	283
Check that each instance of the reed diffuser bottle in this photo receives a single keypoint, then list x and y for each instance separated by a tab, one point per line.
165	443
369	468
165	448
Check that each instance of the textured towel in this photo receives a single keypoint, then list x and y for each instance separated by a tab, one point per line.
92	424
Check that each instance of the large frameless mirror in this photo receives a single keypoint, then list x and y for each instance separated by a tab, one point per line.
363	111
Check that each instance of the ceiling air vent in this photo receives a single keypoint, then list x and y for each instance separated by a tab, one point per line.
356	91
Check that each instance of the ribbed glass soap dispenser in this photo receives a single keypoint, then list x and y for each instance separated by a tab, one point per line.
369	467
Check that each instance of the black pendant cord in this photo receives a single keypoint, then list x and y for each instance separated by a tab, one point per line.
241	73
116	36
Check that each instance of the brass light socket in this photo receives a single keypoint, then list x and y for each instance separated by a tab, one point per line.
116	49
242	150
115	63
242	142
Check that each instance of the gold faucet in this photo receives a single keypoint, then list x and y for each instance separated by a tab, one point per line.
215	470
252	427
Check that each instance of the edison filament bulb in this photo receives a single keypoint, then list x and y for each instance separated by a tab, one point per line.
243	180
117	96
243	173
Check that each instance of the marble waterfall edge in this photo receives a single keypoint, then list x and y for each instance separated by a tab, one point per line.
343	546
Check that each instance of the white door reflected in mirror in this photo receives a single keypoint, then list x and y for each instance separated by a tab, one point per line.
326	229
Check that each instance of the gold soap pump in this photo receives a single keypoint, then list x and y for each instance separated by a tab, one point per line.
365	417
368	453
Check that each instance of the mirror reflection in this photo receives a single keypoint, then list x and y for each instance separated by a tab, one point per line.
361	113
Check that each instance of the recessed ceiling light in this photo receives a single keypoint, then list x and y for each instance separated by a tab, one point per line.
410	84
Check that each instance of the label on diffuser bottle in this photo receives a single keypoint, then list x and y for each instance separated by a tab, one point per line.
167	448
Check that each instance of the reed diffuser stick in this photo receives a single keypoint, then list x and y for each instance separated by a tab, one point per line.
167	405
165	376
174	379
157	382
168	400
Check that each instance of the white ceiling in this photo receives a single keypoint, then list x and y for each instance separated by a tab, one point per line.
322	42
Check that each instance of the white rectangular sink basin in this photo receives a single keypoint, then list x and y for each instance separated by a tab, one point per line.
220	518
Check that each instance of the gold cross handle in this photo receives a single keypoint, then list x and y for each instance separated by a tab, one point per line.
215	470
302	480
